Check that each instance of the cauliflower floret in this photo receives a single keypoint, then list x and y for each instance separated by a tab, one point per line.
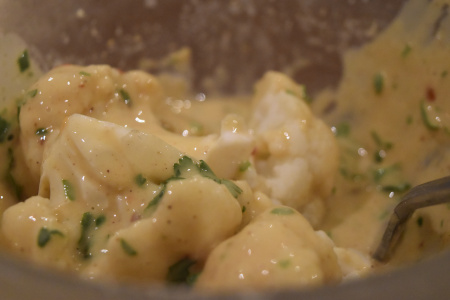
279	248
133	100
296	155
98	91
104	187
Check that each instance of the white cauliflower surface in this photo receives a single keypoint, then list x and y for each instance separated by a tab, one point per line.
118	190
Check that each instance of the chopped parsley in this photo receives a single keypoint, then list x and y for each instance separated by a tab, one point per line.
409	119
84	243
206	171
426	119
23	61
69	190
100	220
155	201
41	131
140	180
5	127
244	209
290	92
9	176
244	166
419	221
88	224
341	129
399	188
84	73
284	263
182	169
378	83
350	175
382	216
130	251
45	235
179	271
406	51
196	128
32	93
383	146
184	165
282	211
306	97
125	96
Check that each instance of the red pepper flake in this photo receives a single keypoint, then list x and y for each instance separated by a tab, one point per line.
430	94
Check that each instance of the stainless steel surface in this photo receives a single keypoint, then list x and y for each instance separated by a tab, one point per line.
244	38
427	194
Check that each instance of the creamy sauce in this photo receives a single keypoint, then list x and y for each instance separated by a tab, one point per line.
125	177
393	99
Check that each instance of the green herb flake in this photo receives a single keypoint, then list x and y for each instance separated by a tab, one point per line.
379	142
84	243
5	127
232	187
399	188
284	263
244	166
308	99
341	129
206	171
179	271
45	235
244	209
406	51
282	211
378	83
196	128
426	119
41	131
383	215
184	165
419	221
125	96
84	73
69	190
192	278
409	119
17	188
140	180
291	92
23	61
100	220
350	175
32	93
155	201
127	248
379	156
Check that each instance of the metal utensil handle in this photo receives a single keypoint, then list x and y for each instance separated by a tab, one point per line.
427	194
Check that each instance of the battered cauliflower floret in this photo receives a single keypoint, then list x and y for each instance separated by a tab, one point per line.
134	100
117	203
278	249
296	155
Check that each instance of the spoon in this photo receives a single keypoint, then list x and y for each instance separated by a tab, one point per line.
427	194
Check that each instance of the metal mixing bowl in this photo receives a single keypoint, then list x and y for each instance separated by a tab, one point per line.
236	40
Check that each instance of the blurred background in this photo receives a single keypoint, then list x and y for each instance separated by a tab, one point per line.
233	42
